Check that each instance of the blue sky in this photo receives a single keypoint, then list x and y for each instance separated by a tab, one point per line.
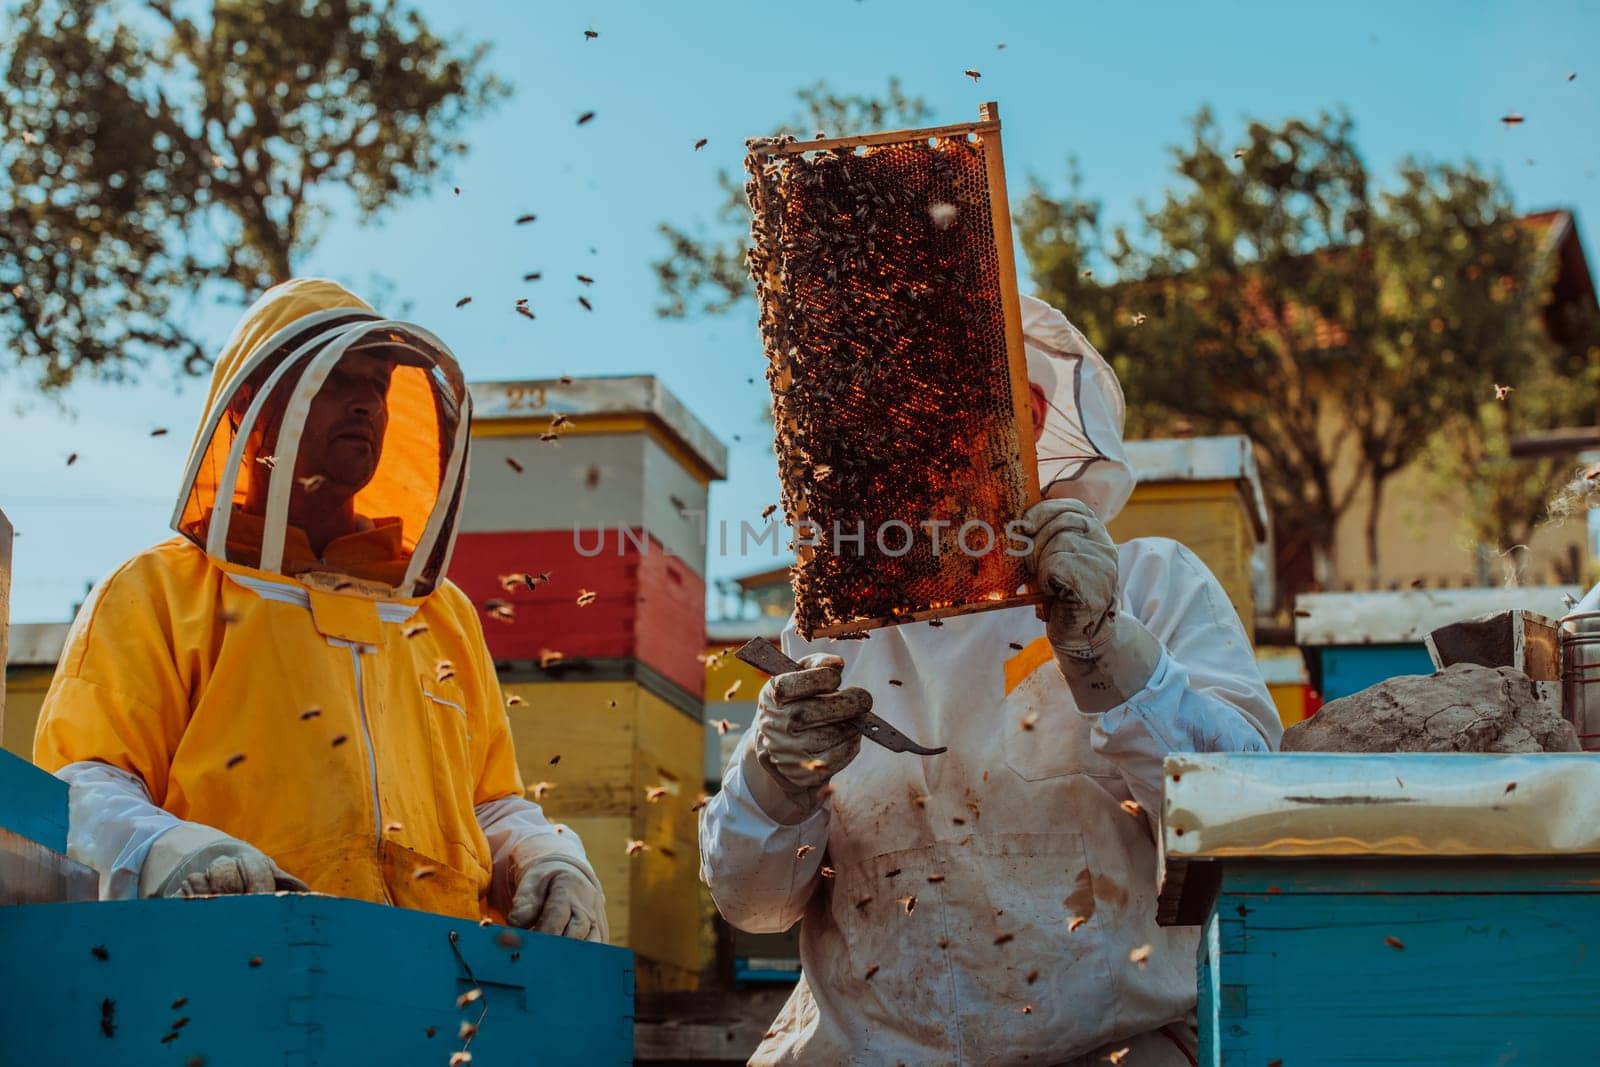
1113	86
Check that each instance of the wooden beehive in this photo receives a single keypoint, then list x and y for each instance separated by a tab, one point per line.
889	312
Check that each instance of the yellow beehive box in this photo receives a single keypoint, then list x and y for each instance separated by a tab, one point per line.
31	658
623	767
1205	493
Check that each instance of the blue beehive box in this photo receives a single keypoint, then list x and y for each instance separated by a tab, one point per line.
1353	641
33	804
288	980
302	981
1399	909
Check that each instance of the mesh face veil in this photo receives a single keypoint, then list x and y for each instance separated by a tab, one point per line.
312	371
1080	452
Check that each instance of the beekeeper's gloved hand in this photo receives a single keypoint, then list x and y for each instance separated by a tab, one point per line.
803	735
1106	655
191	860
555	895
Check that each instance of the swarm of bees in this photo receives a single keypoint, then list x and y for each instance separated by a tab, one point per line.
885	332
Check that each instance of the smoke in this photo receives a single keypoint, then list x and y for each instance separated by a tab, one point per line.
1578	495
1513	561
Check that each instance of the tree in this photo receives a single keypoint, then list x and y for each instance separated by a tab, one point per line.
705	272
150	156
1275	293
1554	386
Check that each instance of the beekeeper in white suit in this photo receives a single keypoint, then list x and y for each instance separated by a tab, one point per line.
991	905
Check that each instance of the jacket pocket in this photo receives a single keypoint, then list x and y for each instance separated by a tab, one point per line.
893	924
423	883
449	726
1045	734
452	767
948	944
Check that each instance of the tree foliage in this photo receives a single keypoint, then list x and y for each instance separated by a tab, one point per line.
704	269
1276	293
150	155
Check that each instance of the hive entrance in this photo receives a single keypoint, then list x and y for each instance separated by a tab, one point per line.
887	284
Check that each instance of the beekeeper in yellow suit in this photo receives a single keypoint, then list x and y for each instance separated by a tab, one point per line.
289	693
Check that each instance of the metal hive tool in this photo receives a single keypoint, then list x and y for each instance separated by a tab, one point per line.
889	312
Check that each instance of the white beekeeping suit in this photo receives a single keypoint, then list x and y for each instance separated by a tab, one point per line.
1032	883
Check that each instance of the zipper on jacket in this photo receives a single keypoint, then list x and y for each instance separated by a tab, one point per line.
372	756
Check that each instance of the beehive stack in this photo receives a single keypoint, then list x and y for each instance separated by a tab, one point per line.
892	328
596	490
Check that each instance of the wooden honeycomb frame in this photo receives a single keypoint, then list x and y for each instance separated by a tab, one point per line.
780	261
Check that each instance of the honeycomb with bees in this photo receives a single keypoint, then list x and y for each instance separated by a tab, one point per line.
889	314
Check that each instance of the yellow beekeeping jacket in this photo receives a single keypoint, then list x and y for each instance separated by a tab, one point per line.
341	714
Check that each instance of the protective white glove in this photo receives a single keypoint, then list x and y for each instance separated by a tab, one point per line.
804	734
1106	656
555	895
191	860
